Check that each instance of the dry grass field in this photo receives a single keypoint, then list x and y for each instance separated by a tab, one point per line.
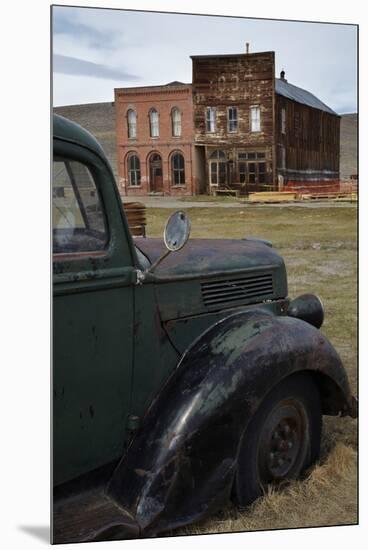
319	248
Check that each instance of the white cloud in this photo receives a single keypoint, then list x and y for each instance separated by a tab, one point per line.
157	48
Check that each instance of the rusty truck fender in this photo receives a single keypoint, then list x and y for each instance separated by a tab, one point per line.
180	466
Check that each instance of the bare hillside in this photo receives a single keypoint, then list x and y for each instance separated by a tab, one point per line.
99	119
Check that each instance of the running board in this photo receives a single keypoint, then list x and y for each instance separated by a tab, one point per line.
89	517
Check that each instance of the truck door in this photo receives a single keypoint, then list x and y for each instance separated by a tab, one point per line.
92	314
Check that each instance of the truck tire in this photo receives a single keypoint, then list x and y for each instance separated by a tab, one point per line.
282	439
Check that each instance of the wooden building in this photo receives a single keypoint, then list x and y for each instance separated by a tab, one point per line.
307	140
256	132
234	105
240	129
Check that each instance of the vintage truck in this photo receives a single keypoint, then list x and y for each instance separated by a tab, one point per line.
183	375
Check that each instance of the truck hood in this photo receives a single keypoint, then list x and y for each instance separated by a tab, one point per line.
210	275
207	257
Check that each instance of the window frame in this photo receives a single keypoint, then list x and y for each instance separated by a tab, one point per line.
130	125
176	110
173	170
251	120
131	155
219	159
231	119
154	111
210	119
63	256
242	169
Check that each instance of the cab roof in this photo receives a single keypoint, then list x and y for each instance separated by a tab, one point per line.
67	130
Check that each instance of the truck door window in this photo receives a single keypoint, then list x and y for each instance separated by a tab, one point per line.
77	216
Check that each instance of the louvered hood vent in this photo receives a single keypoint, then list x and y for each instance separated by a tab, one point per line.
245	288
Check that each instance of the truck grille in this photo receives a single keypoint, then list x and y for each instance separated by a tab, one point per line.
244	288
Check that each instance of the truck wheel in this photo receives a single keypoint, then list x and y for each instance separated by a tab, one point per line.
282	439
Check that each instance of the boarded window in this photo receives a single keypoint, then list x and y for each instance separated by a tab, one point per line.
134	170
132	124
255	119
178	169
232	121
210	119
176	122
154	128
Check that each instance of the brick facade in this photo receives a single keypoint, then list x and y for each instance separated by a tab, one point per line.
154	169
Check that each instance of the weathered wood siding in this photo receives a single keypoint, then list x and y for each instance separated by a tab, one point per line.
242	81
309	149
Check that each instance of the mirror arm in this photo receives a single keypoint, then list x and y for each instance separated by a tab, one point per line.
157	262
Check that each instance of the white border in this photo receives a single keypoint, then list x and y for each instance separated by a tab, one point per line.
25	287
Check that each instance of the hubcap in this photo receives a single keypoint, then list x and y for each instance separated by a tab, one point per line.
283	442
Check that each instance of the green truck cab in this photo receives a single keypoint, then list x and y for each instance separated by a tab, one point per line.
183	375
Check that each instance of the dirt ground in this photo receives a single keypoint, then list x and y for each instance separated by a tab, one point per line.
207	201
319	248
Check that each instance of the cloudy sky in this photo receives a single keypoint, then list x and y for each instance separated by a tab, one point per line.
97	50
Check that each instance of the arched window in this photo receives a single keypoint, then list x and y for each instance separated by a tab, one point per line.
178	169
176	122
154	129
132	124
218	168
134	170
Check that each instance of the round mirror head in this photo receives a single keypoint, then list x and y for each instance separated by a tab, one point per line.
177	231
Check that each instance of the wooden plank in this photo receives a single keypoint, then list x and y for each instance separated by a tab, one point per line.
273	196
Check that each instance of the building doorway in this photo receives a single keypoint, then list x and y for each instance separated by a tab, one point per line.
155	171
218	169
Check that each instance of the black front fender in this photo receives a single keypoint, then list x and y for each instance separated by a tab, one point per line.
181	464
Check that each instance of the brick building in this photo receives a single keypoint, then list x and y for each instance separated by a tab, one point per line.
235	127
154	126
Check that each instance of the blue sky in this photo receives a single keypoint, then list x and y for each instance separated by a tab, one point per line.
97	50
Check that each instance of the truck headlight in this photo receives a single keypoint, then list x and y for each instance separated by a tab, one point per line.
307	307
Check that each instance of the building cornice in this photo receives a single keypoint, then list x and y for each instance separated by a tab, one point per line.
155	144
121	93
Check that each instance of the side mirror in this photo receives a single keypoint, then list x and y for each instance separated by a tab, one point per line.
177	231
176	235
